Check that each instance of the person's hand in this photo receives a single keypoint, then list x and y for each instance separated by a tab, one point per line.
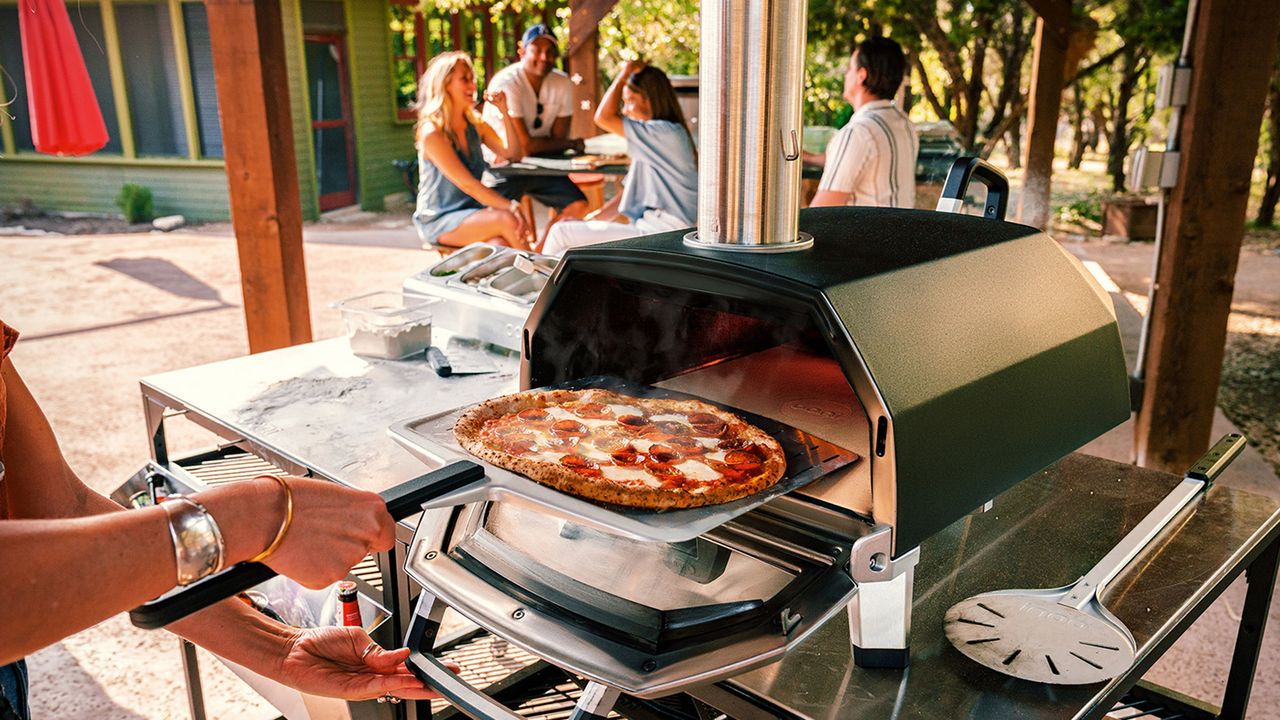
333	528
498	99
631	67
333	662
522	223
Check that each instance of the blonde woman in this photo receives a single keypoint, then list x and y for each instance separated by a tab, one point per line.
454	207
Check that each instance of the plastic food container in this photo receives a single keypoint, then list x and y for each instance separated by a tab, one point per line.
387	324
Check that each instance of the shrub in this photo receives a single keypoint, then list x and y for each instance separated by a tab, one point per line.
135	203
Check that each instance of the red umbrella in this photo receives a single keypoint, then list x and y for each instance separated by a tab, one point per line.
65	117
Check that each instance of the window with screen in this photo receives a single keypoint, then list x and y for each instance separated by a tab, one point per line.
13	82
200	59
151	79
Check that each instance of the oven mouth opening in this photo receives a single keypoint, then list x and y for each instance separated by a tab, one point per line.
622	621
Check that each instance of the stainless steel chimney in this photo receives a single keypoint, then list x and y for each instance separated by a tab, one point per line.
751	81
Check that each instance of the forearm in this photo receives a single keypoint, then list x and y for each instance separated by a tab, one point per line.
818	159
239	633
68	578
607	116
515	149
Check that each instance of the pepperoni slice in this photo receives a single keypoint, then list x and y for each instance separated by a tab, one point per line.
569	427
703	419
534	415
626	456
663	453
609	438
743	461
634	422
662	470
687	446
671	427
593	411
712	428
580	465
728	474
509	432
655	435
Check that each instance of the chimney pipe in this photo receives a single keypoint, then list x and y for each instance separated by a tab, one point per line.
751	82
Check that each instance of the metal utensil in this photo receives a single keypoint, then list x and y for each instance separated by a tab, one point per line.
526	265
1064	636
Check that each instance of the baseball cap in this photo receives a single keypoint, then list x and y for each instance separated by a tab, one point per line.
538	31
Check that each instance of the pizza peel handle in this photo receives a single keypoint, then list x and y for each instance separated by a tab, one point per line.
402	501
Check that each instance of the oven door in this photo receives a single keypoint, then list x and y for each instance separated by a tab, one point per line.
648	618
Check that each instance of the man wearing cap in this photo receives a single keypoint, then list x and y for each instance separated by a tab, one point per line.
541	99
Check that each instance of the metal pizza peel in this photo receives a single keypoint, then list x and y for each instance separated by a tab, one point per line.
1064	636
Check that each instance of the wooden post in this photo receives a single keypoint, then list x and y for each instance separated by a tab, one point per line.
584	61
1231	60
262	175
1049	61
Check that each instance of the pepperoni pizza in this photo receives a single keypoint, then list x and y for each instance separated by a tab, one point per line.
638	452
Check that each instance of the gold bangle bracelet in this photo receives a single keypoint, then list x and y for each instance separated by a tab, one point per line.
284	526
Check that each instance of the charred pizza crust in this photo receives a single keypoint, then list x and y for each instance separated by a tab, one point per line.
470	426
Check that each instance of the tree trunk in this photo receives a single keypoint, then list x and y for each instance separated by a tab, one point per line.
1120	138
1267	210
1015	144
972	99
1011	60
1078	140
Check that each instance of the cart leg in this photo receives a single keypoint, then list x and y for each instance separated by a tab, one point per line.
154	413
880	619
596	702
191	669
1261	579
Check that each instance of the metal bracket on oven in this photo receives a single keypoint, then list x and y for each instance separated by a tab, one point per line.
871	557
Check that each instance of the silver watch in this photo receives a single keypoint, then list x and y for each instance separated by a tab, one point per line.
198	548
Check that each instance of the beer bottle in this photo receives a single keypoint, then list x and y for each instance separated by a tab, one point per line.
350	604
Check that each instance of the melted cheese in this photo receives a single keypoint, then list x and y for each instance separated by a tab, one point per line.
670	417
620	410
698	471
715	455
595	453
641	445
560	413
709	442
629	475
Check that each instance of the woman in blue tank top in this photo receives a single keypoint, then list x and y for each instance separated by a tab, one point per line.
454	206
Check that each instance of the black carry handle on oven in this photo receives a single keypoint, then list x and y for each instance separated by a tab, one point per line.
402	501
956	186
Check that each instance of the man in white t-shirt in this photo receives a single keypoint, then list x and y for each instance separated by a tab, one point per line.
541	99
872	159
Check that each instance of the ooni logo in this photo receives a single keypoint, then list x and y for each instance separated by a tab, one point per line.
819	407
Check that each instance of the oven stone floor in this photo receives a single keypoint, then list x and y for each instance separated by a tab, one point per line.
100	311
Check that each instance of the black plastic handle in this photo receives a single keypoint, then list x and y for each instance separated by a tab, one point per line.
402	501
956	187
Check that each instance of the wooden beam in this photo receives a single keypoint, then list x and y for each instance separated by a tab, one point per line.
584	20
1233	48
1049	61
1055	12
584	70
262	175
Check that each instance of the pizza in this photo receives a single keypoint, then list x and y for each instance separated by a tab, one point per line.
639	452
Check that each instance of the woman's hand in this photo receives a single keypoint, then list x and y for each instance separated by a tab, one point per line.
333	662
631	67
333	528
498	99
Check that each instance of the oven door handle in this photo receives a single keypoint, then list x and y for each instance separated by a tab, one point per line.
402	501
956	187
468	700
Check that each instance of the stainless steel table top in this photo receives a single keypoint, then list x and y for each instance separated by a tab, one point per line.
1045	532
322	408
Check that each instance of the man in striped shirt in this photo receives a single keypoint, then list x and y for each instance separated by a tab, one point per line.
872	159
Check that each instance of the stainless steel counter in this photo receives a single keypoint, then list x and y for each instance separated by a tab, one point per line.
1045	532
317	408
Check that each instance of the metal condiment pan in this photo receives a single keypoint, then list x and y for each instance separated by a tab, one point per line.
516	285
484	271
461	260
431	439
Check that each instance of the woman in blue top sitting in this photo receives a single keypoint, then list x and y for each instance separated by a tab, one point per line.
660	191
454	207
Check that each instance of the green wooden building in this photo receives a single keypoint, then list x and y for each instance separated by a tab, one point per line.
352	67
